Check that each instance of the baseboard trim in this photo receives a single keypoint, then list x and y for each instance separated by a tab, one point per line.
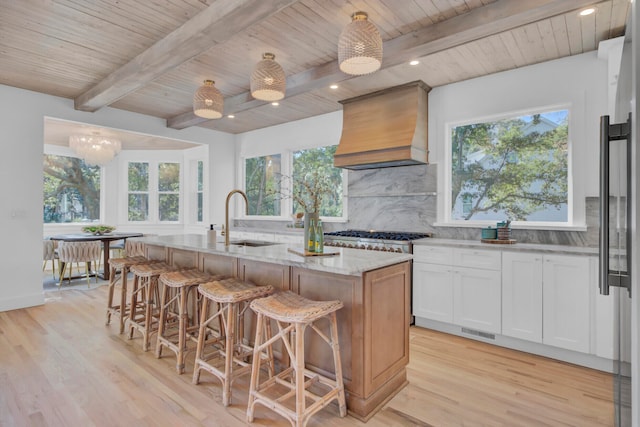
570	356
22	301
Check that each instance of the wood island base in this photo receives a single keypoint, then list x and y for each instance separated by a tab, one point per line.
364	409
373	325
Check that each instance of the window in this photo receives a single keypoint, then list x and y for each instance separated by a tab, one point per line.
513	168
281	184
169	191
138	184
71	190
313	171
200	191
262	184
165	197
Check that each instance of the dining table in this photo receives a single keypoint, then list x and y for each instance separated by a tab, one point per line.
106	240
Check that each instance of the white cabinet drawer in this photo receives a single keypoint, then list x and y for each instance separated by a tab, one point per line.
432	254
477	258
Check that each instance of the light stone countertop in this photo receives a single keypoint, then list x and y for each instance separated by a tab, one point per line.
350	262
525	247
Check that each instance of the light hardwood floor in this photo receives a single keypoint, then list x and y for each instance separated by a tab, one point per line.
61	366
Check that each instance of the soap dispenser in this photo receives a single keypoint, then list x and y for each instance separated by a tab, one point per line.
211	233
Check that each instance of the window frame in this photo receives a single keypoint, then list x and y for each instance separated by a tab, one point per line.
286	169
139	192
444	211
154	161
166	192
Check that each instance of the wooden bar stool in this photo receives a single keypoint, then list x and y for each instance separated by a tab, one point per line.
227	360
174	326
122	265
144	299
293	313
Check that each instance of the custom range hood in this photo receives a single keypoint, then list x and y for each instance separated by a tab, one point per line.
385	128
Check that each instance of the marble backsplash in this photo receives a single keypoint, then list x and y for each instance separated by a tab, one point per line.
404	199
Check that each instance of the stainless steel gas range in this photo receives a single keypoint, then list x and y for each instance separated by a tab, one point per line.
385	241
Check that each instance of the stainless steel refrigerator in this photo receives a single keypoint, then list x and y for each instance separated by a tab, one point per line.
618	212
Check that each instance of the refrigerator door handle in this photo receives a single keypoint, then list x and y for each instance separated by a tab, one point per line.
603	271
608	133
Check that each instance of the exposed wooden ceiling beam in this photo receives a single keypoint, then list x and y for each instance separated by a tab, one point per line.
494	18
214	25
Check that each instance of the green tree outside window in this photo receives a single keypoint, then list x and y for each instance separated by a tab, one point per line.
314	176
138	185
71	190
262	184
515	168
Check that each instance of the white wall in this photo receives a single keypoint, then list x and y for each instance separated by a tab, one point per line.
313	132
579	82
22	116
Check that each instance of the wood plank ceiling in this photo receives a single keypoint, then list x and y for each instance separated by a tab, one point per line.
150	57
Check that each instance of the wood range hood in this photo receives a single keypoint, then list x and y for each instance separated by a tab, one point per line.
385	128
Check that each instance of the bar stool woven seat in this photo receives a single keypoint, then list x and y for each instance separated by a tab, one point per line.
175	327
122	265
232	290
293	313
289	307
143	303
224	354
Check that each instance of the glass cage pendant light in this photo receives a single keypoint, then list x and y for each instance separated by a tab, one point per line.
268	81
360	46
208	101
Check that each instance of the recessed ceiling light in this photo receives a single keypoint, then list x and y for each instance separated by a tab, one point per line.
275	103
587	11
231	116
333	86
414	62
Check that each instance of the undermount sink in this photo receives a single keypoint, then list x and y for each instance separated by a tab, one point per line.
252	243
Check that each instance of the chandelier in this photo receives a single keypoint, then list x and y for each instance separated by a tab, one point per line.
360	46
95	149
268	81
208	101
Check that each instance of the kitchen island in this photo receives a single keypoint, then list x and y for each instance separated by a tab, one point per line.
374	287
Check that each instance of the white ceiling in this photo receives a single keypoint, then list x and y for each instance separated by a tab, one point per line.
57	132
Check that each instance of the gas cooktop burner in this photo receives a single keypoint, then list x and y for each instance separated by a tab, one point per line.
381	235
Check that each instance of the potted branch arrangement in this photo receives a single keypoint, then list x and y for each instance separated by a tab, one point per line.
308	193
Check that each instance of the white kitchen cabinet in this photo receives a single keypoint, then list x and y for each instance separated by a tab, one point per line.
476	299
522	295
432	296
460	286
432	291
433	254
566	302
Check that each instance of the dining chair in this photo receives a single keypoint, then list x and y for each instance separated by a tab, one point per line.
70	252
49	253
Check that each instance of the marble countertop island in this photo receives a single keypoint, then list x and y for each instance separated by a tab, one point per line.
375	288
350	262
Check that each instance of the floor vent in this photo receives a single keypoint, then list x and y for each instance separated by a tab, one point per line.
479	333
